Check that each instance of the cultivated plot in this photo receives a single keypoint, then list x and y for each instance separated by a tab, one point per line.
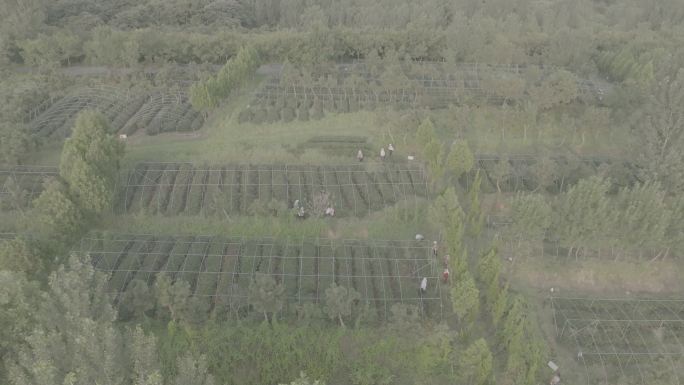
623	341
221	269
182	188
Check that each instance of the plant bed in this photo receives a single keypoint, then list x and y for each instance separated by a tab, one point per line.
180	189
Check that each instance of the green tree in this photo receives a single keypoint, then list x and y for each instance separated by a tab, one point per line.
501	170
90	162
465	299
642	217
446	213
557	89
531	217
339	301
143	350
460	159
193	371
137	300
583	213
425	133
433	153
174	296
475	365
20	254
475	218
15	142
74	341
489	273
54	213
266	295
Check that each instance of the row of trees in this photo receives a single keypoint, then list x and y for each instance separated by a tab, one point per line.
83	191
208	93
636	220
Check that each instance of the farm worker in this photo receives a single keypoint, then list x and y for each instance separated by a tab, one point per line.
296	204
435	248
445	275
382	153
330	211
419	237
423	285
390	149
300	212
359	155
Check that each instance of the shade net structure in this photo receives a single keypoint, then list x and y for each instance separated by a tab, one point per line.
128	111
220	269
365	85
621	341
20	185
352	190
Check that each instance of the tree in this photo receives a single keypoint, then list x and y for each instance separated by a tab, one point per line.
660	127
433	153
74	341
583	213
465	299
193	371
501	170
446	212
475	364
475	218
531	216
15	142
425	133
172	296
146	367
489	272
304	380
339	301
54	214
460	159
21	255
555	90
137	300
642	217
266	295
90	162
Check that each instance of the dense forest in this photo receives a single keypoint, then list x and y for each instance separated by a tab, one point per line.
341	192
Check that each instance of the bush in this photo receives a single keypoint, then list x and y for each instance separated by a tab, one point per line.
272	115
245	115
259	115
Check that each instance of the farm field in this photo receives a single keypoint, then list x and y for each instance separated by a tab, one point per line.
128	112
621	341
383	272
183	188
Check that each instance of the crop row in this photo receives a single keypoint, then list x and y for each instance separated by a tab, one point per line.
173	189
383	274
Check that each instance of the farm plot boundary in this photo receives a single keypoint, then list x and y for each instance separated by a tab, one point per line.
220	269
623	341
182	188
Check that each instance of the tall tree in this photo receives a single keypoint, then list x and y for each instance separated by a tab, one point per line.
476	364
661	131
465	299
460	159
90	162
266	295
55	215
193	371
143	350
475	218
339	301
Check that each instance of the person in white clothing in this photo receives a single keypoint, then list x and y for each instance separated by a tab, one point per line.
390	149
359	156
382	153
423	285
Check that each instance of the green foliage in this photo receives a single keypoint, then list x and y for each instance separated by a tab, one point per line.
446	213
556	90
146	367
531	216
208	93
339	301
15	142
137	300
174	297
20	254
265	295
475	364
426	133
475	218
90	162
193	371
460	159
55	215
465	299
489	272
642	217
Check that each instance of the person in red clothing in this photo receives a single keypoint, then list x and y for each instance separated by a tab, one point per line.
445	275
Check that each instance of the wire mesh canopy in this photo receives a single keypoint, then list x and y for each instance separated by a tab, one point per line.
221	268
623	341
19	185
353	190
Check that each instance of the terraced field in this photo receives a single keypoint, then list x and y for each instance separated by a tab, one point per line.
383	272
